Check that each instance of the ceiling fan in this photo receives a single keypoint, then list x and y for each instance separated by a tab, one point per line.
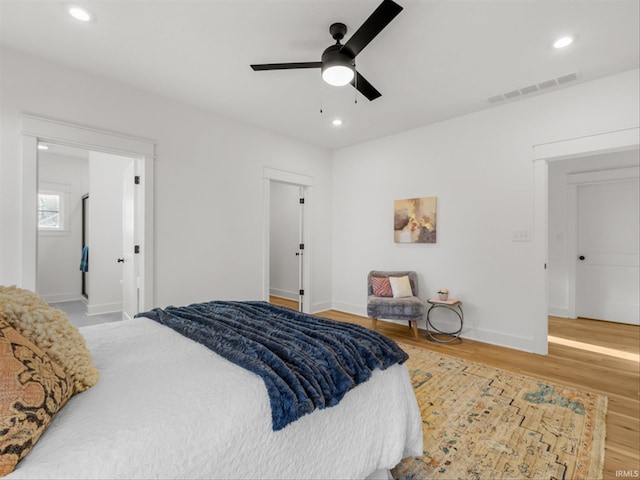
337	63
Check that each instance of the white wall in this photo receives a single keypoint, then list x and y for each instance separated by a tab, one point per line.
284	231
59	276
559	218
208	185
480	168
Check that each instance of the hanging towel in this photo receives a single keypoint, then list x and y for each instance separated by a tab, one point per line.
84	260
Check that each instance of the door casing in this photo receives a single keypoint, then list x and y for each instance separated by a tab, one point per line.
543	153
306	182
36	128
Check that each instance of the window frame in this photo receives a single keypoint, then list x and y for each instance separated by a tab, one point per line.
62	192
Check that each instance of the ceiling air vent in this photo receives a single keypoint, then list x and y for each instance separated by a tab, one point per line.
537	87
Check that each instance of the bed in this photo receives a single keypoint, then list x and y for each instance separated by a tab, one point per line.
167	406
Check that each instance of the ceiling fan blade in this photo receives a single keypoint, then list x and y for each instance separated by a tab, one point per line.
364	87
380	18
286	66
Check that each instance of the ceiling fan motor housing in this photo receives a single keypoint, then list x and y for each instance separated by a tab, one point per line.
333	55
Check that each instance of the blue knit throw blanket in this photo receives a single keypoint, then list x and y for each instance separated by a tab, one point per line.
306	362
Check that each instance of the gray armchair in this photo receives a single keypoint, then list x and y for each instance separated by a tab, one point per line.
411	308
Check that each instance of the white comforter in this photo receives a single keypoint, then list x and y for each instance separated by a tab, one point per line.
167	407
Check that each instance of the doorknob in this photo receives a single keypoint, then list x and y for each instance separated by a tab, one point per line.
581	257
121	260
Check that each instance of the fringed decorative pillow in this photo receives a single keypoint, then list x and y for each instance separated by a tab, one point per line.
32	389
381	287
50	329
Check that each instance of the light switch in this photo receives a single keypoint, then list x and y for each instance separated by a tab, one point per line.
521	236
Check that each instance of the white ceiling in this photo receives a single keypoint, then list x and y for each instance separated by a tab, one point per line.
438	59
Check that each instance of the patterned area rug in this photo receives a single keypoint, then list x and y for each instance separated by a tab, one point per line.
481	422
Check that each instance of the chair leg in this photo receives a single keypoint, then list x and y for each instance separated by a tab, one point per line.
415	329
374	323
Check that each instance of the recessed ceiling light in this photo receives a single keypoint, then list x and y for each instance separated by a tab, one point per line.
79	13
337	122
43	147
563	41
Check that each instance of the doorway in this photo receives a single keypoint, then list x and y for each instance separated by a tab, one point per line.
286	239
273	186
82	254
543	156
37	129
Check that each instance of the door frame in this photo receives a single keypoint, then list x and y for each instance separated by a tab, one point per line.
543	153
34	129
306	182
575	180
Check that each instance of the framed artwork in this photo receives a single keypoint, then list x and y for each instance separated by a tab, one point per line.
414	220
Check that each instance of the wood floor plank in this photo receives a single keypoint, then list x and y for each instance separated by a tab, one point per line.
584	368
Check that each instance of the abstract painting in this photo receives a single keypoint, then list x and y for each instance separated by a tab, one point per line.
414	220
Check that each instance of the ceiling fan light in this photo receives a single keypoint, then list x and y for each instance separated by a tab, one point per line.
337	75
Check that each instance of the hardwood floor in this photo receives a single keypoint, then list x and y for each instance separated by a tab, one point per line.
601	357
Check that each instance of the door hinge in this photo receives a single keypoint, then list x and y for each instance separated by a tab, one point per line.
301	292
136	179
302	246
302	201
136	249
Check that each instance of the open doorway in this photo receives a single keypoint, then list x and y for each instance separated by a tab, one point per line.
286	255
86	233
593	237
274	187
37	130
544	155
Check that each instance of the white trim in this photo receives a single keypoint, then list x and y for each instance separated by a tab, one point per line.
284	176
541	256
618	140
603	176
51	130
572	247
612	141
62	297
104	308
286	294
269	175
36	128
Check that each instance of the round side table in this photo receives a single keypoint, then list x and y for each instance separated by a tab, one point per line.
452	304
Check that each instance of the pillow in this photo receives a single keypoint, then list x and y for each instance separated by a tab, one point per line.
401	287
50	330
32	389
381	287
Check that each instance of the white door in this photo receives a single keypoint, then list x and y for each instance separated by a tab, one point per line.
130	259
608	280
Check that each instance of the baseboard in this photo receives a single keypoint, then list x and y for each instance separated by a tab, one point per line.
289	295
559	312
350	308
485	336
104	308
61	297
321	307
515	342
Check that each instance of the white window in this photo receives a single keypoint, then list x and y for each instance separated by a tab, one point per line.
52	205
